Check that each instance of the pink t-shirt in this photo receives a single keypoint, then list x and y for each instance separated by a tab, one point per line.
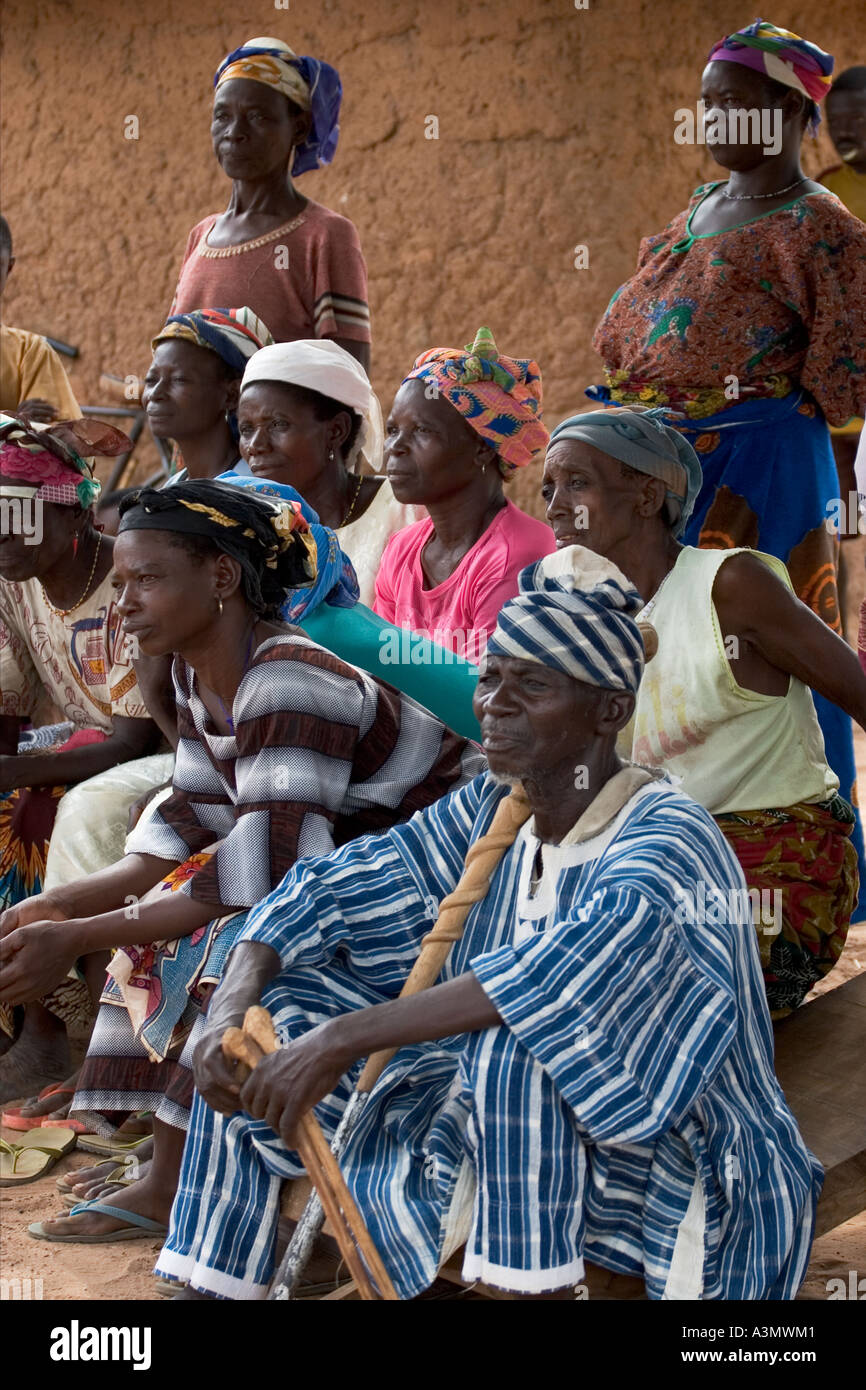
320	293
460	613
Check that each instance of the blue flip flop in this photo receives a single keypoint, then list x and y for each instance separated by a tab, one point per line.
137	1228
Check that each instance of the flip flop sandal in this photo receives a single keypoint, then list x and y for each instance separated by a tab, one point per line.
29	1160
138	1227
119	1176
65	1124
167	1288
111	1147
13	1119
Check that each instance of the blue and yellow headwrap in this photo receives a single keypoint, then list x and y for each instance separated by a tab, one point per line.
312	85
335	582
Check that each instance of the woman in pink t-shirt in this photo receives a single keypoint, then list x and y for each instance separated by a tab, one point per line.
297	264
460	425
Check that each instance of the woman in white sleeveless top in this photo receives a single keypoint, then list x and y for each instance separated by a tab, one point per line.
724	707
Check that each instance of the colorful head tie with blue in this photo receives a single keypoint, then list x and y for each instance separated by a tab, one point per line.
312	85
645	441
575	611
235	335
335	582
782	56
499	396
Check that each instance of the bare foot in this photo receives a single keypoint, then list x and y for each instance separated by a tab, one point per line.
135	1165
136	1124
54	1106
30	1066
89	1191
91	1174
143	1197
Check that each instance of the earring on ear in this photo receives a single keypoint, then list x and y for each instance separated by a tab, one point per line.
75	545
330	456
220	606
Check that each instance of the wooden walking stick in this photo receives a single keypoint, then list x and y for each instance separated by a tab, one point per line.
482	859
248	1046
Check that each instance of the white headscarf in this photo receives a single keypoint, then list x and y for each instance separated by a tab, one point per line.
319	364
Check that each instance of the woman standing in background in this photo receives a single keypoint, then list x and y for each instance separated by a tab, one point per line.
297	264
747	314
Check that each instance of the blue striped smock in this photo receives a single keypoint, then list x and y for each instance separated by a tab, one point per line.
625	1112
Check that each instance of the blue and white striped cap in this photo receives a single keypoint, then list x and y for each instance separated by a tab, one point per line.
575	612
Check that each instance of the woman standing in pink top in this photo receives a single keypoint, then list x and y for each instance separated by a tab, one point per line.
460	425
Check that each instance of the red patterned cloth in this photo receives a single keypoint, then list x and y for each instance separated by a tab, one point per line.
777	302
804	855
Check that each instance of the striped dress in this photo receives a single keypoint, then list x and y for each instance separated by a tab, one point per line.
321	753
625	1112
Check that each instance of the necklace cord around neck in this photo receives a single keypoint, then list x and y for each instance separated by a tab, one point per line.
64	612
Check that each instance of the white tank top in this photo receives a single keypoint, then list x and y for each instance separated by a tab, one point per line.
731	749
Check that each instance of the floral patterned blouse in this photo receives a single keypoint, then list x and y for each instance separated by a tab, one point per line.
81	662
778	302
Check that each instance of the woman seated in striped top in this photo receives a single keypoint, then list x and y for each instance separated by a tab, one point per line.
283	751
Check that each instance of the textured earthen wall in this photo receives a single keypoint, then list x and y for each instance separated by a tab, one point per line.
555	129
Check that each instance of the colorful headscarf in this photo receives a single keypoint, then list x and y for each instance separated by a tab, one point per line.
780	55
309	83
193	509
645	441
46	462
268	537
335	582
500	397
574	611
233	334
320	364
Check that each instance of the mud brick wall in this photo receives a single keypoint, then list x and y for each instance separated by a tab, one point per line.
555	130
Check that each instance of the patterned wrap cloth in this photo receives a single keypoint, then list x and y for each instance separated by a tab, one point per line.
312	85
803	854
233	334
195	509
500	397
575	612
44	462
644	441
782	56
335	582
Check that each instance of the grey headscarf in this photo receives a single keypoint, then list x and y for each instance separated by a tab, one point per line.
645	441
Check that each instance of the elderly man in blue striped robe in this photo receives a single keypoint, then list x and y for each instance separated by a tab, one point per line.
589	1092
